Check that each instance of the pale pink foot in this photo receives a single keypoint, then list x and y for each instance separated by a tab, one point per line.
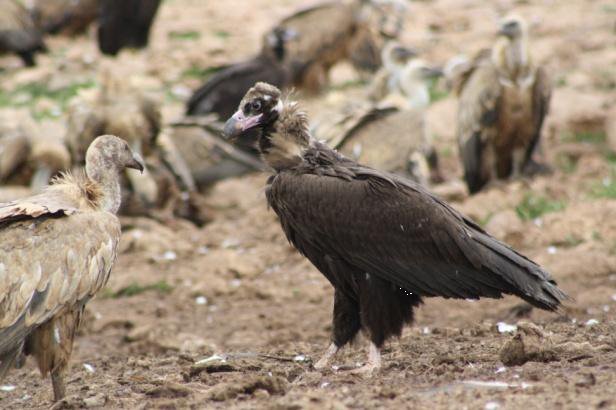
323	362
373	364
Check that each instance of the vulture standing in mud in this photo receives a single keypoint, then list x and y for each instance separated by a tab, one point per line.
18	33
504	98
382	241
221	93
56	252
125	23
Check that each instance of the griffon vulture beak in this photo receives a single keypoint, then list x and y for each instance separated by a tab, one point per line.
136	163
239	123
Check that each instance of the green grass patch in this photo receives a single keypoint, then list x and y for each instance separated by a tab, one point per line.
569	241
533	206
184	35
135	289
222	34
605	188
201	73
566	163
592	137
28	94
436	91
348	84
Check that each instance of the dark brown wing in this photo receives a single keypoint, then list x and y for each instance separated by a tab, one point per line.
18	32
382	225
222	93
125	23
542	92
478	111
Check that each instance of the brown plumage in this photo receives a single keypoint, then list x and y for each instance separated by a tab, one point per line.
504	98
333	31
125	23
324	35
27	159
119	109
56	251
68	17
392	135
383	242
18	33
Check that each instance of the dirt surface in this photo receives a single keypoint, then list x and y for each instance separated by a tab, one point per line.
235	292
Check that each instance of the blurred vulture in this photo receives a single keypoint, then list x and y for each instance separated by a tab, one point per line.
166	187
333	31
125	23
30	160
68	17
383	242
504	98
392	135
18	33
56	252
387	79
210	158
221	93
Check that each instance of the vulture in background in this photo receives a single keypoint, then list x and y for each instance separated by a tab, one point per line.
125	23
225	89
70	17
56	252
383	242
333	31
503	100
30	160
18	32
387	79
166	188
392	135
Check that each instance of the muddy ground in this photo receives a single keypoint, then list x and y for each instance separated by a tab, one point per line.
235	288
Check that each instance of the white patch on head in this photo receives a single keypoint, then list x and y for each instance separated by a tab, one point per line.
278	107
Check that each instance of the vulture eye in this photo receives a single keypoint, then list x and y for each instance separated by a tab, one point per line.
255	105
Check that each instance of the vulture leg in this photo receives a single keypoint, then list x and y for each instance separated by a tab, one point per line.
518	158
57	381
40	179
374	361
384	309
346	325
52	344
323	362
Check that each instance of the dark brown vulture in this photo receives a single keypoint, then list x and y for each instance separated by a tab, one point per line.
225	89
332	31
382	241
56	252
125	23
69	17
504	98
18	33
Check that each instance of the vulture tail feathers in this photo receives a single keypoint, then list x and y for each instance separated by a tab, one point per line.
526	279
